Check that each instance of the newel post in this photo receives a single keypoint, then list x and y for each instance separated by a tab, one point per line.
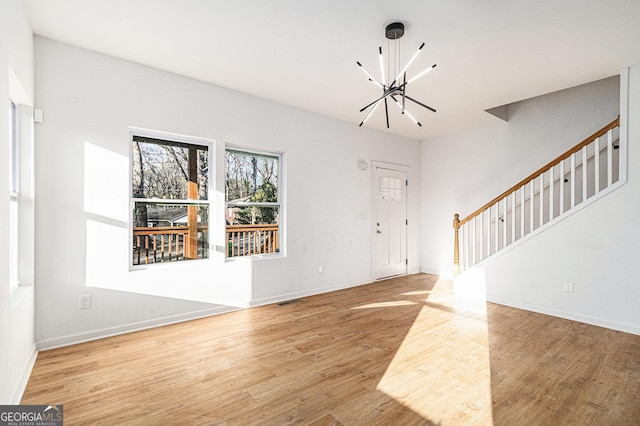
456	249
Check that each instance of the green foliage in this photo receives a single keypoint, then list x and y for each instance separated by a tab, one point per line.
262	215
251	178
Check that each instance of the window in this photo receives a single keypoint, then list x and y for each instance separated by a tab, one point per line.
170	200
252	194
14	189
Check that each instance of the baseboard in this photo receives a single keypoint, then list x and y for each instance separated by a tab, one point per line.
17	398
625	328
73	339
447	275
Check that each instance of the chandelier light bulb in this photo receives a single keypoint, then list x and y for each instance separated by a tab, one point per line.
421	74
371	77
384	81
407	113
415	55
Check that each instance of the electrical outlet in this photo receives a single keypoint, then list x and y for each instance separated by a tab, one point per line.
85	301
568	286
320	270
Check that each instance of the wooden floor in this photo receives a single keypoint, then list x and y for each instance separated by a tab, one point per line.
398	352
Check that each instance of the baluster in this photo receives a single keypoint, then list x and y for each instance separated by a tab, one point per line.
162	247
561	183
146	249
541	193
489	232
463	247
236	245
522	209
584	174
273	236
531	198
573	180
513	216
267	242
551	193
497	230
596	162
275	240
155	248
504	222
138	246
609	158
255	241
472	240
481	245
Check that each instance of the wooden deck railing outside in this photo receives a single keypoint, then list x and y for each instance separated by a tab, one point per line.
167	243
247	240
590	158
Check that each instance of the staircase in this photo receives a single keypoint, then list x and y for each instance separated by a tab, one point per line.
568	183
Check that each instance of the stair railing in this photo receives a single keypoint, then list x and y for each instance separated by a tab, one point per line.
585	170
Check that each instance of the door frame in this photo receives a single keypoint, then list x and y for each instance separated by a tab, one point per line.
398	168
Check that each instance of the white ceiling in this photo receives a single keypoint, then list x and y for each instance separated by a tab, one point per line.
303	53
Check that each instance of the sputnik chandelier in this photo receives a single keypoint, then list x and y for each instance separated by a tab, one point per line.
396	90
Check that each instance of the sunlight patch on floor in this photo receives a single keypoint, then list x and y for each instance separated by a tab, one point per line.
441	370
390	304
471	283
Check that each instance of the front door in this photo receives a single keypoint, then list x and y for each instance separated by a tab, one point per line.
390	217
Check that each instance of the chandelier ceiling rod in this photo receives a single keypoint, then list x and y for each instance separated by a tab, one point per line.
394	31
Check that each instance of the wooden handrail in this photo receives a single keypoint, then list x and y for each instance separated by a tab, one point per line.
261	227
615	123
167	230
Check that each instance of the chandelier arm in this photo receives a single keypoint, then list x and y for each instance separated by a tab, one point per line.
415	120
371	77
366	117
404	89
420	103
386	111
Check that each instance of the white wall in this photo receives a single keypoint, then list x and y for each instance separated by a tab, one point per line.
82	157
593	248
17	349
463	171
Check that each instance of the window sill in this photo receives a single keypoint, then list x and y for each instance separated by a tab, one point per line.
178	264
19	294
265	256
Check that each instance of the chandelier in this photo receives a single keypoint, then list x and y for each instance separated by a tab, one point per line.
396	89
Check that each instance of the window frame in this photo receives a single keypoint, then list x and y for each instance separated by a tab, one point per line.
279	203
14	196
183	141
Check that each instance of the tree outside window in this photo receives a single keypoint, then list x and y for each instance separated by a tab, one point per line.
252	194
169	187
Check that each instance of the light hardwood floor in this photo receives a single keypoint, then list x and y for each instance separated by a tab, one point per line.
397	352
